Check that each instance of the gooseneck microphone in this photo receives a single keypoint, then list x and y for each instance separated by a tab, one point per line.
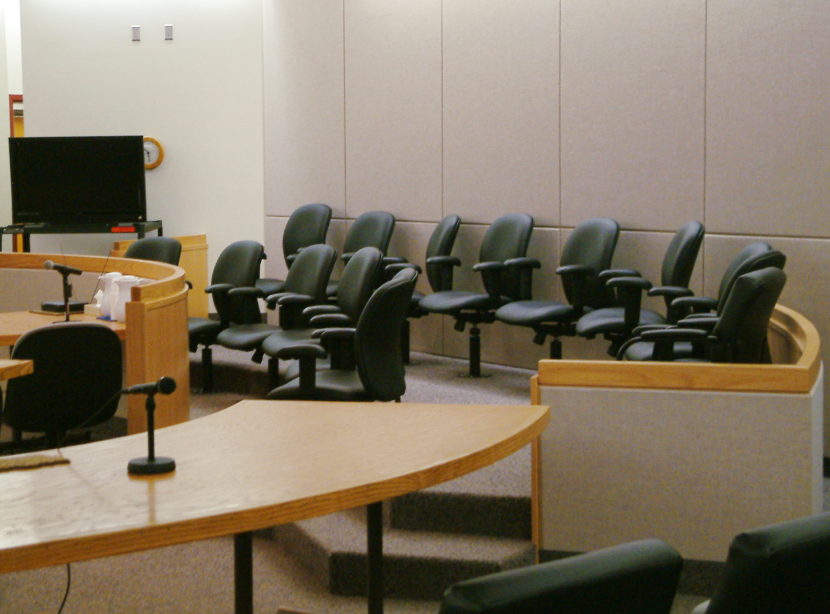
61	268
150	464
165	385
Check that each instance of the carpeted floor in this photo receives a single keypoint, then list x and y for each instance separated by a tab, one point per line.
198	577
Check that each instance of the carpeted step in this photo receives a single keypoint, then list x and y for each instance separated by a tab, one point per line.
417	565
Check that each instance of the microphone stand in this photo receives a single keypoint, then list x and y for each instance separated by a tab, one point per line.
67	294
150	465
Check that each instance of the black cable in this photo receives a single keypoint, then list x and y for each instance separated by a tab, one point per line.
68	584
86	422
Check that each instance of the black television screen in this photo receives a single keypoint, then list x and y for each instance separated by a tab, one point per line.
77	179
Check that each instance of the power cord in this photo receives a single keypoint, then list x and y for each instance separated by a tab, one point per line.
68	584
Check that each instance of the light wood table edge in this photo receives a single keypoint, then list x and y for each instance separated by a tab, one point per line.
15	368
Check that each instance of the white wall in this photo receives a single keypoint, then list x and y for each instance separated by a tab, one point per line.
200	95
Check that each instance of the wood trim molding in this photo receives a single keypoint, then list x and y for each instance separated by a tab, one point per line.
796	342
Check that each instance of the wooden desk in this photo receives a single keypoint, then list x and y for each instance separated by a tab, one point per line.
15	368
14	324
254	465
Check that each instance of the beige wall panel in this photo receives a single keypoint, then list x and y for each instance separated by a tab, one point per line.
393	108
501	115
632	111
767	155
303	113
808	261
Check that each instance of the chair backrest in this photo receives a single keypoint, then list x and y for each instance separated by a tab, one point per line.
359	279
755	256
591	243
306	226
681	254
76	379
741	330
311	270
632	578
440	244
238	265
370	229
506	238
378	337
779	569
160	249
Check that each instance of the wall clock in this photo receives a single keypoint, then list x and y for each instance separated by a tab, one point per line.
153	153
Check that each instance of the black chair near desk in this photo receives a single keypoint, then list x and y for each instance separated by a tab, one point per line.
633	578
159	249
370	229
379	372
75	383
506	275
237	265
307	225
588	250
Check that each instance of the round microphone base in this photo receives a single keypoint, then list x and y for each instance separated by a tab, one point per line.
150	466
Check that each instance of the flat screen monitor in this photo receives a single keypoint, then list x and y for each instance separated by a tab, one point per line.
77	179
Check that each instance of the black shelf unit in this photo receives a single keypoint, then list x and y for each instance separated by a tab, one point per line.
24	231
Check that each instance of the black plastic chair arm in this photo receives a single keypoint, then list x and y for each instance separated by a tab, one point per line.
301	350
290	258
638	577
695	304
387	260
245	291
524	266
609	273
218	288
576	277
347	256
702	322
630	296
491	276
637	331
291	298
444	260
330	320
440	269
671	292
390	270
673	334
272	299
314	310
633	283
489	266
575	269
332	334
531	263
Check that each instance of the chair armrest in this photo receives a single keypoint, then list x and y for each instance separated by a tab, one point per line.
290	258
492	265
634	283
245	291
314	310
330	320
639	576
675	334
532	263
302	350
609	273
292	298
390	270
387	260
702	322
218	288
574	269
272	299
440	271
671	292
347	256
696	304
576	276
332	334
637	331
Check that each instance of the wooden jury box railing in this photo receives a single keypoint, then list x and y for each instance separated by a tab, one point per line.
156	328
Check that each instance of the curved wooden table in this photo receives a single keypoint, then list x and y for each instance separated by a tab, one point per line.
15	368
254	465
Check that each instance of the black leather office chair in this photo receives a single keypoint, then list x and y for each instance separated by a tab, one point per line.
588	250
506	274
738	334
439	265
778	569
307	225
305	285
616	324
237	266
360	278
379	373
160	249
370	229
76	382
753	257
634	578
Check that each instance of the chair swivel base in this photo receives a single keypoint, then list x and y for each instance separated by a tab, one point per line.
151	466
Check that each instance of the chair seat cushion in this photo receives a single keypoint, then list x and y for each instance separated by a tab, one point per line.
245	336
612	320
280	338
453	301
528	313
202	328
642	350
331	385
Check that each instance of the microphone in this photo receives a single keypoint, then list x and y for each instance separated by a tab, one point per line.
61	268
165	385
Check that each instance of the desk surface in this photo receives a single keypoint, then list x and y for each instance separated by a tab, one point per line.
13	324
254	465
15	368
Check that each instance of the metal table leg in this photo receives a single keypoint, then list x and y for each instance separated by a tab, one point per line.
374	534
243	553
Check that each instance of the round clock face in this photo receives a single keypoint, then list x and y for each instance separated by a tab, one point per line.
153	152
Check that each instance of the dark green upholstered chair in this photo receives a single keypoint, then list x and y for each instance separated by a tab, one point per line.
779	569
370	229
379	372
635	578
159	249
75	383
439	265
360	278
755	256
305	285
307	225
738	334
506	274
588	250
237	266
616	324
